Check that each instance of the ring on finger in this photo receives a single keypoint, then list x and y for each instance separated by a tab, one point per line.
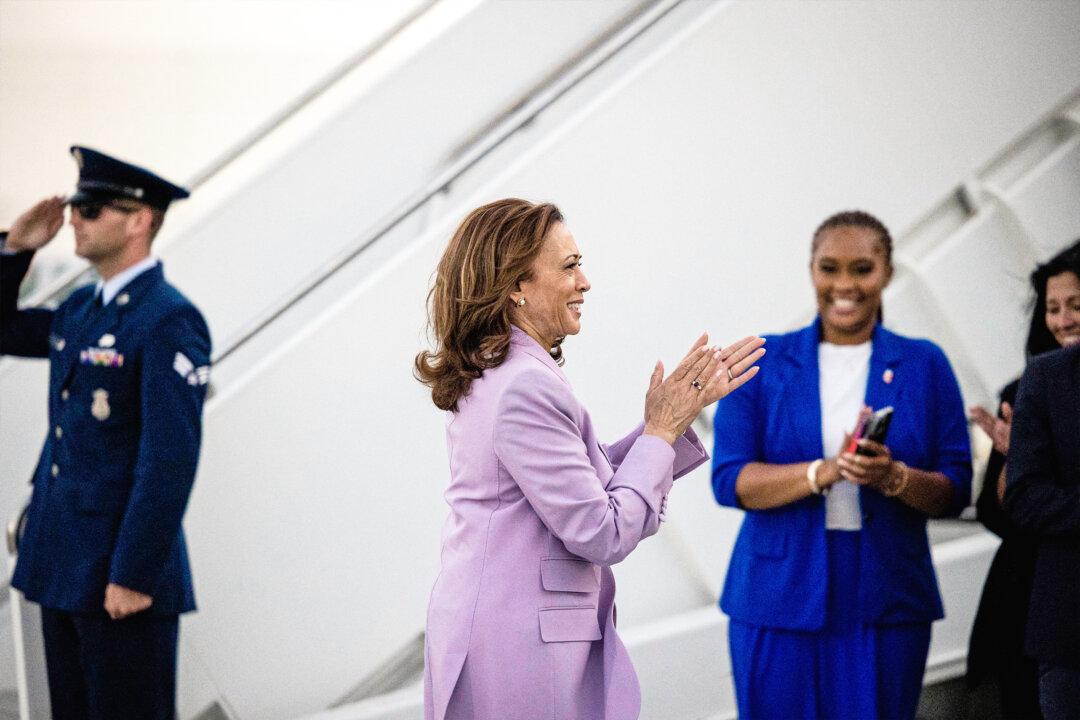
729	376
696	385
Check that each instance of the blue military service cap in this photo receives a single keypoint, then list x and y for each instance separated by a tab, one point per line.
105	178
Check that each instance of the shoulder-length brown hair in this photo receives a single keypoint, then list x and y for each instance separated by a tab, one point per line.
469	305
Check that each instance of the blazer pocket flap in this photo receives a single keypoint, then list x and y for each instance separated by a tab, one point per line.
569	575
569	624
770	545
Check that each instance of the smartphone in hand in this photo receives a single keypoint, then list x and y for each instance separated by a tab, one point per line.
875	428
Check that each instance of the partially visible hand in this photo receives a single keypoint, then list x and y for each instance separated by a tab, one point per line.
121	602
699	380
875	470
737	365
998	428
828	473
864	414
37	226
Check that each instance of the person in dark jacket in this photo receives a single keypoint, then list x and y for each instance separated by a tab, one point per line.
1042	497
995	653
103	552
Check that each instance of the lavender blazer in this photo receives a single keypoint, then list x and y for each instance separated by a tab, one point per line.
521	621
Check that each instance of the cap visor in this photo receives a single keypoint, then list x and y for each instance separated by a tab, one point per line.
89	196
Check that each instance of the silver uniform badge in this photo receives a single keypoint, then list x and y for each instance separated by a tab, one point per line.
107	340
123	299
100	408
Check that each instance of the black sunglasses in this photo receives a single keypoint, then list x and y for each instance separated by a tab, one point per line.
91	209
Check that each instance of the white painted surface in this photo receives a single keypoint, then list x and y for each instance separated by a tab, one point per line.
170	84
692	171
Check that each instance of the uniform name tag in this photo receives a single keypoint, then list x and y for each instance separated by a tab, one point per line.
101	357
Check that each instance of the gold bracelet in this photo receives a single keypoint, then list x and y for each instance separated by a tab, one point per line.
901	483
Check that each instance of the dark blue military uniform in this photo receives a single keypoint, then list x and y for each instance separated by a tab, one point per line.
126	391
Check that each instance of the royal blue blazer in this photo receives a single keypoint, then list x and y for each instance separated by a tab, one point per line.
778	572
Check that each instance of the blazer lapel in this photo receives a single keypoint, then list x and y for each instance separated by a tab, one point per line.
95	322
803	385
98	323
520	338
886	378
802	392
75	324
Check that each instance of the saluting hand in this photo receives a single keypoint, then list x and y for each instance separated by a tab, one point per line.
121	601
37	226
704	376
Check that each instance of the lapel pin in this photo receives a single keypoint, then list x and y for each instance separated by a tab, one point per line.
60	344
887	376
107	340
123	299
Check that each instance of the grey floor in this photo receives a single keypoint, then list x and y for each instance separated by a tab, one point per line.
9	705
941	531
951	700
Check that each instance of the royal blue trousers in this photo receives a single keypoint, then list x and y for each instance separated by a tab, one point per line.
848	670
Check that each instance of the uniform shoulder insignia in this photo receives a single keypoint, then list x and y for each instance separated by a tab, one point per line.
182	365
186	369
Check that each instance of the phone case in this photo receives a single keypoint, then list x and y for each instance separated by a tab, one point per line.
876	429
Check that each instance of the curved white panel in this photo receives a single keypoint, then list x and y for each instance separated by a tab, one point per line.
693	170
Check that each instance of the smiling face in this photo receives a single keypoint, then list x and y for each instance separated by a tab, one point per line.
1063	308
555	291
850	269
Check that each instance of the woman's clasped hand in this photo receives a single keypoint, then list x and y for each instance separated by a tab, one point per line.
996	428
705	375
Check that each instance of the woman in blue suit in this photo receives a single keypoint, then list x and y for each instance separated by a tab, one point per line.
830	588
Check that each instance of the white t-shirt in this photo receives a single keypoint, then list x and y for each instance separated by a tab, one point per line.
843	371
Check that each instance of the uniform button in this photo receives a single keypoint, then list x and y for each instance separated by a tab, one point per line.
64	394
55	470
59	432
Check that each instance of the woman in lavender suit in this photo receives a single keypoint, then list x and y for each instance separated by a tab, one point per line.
521	621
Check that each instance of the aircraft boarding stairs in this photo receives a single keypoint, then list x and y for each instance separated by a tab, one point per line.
691	184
